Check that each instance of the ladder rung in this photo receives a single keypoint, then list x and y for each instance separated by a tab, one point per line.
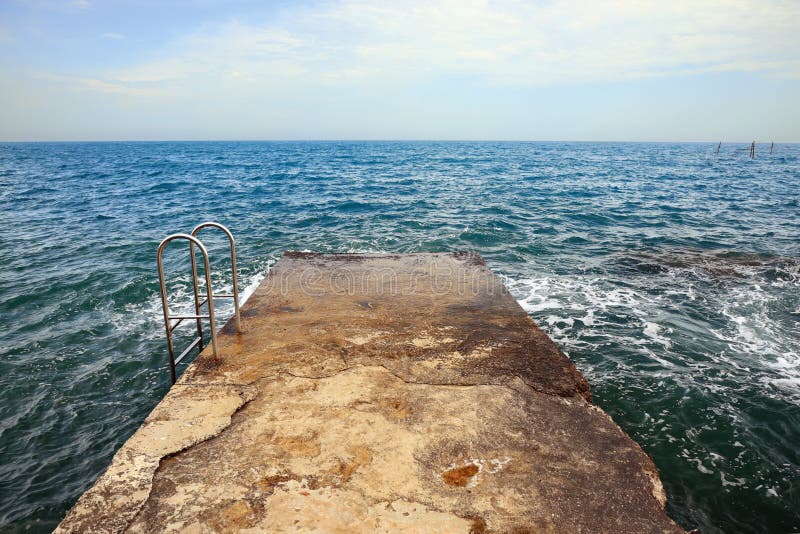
182	317
186	351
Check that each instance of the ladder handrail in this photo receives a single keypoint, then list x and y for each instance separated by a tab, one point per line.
209	295
232	241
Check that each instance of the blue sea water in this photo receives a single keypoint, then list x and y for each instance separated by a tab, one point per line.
670	274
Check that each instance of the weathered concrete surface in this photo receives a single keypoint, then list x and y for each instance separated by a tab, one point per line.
378	393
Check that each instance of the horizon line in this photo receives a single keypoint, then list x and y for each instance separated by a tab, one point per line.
376	140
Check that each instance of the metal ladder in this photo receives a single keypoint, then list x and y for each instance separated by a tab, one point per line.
198	303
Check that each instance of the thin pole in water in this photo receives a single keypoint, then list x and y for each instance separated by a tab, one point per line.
719	146
753	150
772	146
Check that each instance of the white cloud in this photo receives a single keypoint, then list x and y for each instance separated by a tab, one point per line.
252	52
504	42
112	35
80	4
94	84
520	43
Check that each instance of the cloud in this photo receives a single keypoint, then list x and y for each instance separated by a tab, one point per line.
112	35
525	43
79	4
252	52
94	84
503	42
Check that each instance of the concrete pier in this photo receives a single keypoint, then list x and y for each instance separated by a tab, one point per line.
378	393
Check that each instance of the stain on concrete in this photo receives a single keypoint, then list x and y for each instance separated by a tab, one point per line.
460	476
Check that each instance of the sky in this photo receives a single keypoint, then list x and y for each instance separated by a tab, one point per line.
582	70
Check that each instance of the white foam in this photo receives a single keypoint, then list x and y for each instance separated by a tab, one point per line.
587	312
751	329
652	330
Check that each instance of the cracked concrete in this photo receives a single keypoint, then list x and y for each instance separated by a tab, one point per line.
378	393
185	417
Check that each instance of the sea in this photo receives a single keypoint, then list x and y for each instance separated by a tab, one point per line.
669	273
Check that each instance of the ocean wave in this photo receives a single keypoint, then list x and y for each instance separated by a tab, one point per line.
746	327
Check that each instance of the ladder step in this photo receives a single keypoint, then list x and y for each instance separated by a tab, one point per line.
186	351
182	317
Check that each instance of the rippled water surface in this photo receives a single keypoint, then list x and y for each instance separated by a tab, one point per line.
668	273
